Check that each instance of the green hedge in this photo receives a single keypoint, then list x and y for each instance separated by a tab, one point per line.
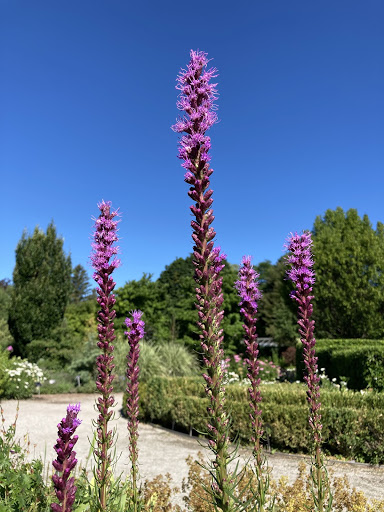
353	424
361	361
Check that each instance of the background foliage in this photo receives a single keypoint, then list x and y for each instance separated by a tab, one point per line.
353	425
41	287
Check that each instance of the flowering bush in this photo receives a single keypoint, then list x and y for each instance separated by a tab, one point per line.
22	378
268	371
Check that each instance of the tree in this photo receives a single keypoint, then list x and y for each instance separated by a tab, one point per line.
277	317
5	304
80	285
169	307
349	266
177	291
41	287
142	295
232	322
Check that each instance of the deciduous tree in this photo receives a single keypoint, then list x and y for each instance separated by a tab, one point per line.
349	266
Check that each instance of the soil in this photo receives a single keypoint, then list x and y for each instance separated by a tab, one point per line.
161	451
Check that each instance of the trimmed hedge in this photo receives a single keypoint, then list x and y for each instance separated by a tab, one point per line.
361	361
353	424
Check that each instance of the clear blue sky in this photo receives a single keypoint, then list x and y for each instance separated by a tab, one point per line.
87	98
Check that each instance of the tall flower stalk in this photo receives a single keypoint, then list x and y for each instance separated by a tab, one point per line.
196	100
247	287
66	460
301	273
135	333
104	262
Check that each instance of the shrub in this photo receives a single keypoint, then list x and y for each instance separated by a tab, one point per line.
21	378
169	359
353	424
360	361
18	475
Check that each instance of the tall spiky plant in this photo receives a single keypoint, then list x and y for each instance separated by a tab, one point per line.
196	100
247	287
104	262
135	333
301	273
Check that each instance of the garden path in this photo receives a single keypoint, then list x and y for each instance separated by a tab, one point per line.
161	451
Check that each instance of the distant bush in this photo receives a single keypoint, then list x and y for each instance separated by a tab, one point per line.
359	361
169	359
19	378
353	424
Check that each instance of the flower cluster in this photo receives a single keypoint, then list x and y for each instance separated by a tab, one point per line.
23	377
104	262
197	96
248	289
65	462
134	333
302	275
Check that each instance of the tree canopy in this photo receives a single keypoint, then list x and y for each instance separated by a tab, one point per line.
41	287
169	308
349	266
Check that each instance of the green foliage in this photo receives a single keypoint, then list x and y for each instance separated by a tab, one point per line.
80	287
41	287
232	323
142	295
169	308
374	371
177	360
22	487
54	353
5	302
4	363
277	313
353	425
150	361
176	288
169	359
5	336
360	361
20	378
80	319
349	266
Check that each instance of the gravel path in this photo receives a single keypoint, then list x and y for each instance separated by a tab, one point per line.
161	451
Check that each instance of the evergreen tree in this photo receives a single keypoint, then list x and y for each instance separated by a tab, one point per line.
177	289
349	266
80	285
41	287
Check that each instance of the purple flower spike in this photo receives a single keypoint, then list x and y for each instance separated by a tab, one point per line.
135	333
65	461
197	96
302	275
104	262
196	100
247	287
